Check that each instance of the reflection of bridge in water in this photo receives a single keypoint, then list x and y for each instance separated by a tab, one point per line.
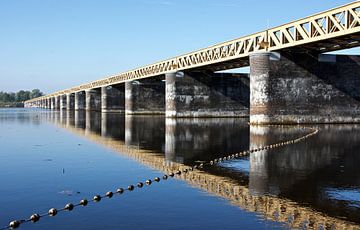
168	145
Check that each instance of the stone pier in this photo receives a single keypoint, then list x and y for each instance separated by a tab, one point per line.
206	94
304	88
70	101
48	103
62	102
52	103
146	96
93	99
56	102
113	98
80	100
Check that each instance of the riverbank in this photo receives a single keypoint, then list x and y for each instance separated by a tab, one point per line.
11	104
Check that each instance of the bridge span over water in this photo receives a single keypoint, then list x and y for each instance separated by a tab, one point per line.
290	81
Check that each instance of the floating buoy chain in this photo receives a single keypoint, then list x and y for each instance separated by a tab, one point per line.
97	198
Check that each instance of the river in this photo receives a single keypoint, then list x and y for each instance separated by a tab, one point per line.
49	159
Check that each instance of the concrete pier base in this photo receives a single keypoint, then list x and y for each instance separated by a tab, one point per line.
80	100
113	98
56	103
46	104
145	96
203	94
52	103
303	88
70	101
93	100
62	102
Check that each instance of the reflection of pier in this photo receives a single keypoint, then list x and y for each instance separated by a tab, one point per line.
123	140
306	173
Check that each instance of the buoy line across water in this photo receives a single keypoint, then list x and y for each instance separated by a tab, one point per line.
119	191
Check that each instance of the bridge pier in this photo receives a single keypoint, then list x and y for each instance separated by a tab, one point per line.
56	103
146	96
47	103
70	101
113	98
93	100
303	88
80	100
201	94
52	103
62	102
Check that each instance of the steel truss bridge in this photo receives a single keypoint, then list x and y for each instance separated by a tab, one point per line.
331	30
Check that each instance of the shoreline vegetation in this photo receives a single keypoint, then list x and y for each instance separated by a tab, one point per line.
16	100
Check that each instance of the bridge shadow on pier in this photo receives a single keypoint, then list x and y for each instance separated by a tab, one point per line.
302	185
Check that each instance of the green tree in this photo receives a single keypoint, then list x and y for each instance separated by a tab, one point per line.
22	96
35	93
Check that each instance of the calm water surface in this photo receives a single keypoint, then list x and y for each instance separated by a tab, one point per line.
48	159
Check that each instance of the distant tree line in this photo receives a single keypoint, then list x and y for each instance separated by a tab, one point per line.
20	96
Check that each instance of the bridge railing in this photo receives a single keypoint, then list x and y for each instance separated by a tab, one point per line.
333	23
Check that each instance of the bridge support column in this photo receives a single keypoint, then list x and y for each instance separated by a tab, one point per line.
303	88
70	101
113	98
52	103
145	96
201	94
62	102
93	100
56	102
80	100
48	103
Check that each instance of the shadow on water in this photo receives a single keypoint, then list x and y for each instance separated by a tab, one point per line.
313	183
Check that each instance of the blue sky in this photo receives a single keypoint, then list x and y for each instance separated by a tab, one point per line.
53	45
